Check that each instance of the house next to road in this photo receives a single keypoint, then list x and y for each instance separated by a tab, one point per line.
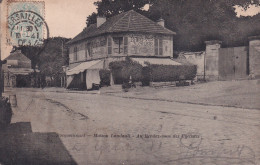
18	71
127	34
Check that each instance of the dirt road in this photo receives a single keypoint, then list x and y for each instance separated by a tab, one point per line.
104	129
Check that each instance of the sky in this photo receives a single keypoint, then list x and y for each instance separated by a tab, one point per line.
67	18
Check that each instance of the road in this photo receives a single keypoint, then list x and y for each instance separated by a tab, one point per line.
107	129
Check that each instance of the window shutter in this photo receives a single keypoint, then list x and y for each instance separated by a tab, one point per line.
86	51
156	46
125	45
75	53
109	45
160	47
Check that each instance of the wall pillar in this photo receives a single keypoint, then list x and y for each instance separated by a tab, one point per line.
211	60
254	57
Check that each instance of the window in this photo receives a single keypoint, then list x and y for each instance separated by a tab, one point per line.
88	50
158	47
109	45
118	43
75	53
125	45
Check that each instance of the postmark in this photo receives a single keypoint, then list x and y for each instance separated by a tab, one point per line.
25	23
191	140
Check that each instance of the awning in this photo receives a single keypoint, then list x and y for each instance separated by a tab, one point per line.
157	61
95	64
22	71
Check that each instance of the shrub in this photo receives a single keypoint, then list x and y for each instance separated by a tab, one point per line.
164	73
5	112
146	76
122	70
104	77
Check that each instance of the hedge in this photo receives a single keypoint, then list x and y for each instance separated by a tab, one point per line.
104	77
164	73
122	70
5	112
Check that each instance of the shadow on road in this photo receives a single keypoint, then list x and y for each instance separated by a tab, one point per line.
19	145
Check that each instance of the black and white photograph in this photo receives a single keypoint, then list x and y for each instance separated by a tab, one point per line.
129	82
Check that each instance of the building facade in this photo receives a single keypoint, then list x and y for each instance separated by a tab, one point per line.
128	34
18	71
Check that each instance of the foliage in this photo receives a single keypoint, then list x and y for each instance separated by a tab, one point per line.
195	21
202	20
50	57
165	73
5	112
109	8
104	77
122	70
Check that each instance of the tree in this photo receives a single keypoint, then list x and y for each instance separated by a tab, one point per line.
109	8
201	20
195	21
50	57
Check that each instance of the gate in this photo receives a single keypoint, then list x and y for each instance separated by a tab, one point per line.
233	63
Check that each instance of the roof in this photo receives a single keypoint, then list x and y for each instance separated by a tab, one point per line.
17	55
22	71
95	64
129	21
157	61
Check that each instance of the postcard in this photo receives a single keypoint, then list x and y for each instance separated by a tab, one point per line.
129	82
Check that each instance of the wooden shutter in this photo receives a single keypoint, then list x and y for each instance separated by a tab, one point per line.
109	45
160	47
125	45
156	46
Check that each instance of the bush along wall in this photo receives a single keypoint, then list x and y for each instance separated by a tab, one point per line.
104	77
5	112
122	70
165	73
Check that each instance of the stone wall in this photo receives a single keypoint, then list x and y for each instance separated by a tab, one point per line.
254	56
212	60
196	58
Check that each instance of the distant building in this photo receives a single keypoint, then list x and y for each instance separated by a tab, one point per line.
127	34
18	71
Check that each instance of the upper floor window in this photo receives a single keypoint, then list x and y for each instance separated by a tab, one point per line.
75	53
125	45
88	50
118	44
158	47
109	45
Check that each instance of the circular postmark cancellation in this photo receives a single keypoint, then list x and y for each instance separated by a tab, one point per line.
191	140
25	24
25	28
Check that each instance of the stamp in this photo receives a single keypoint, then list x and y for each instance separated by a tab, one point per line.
25	23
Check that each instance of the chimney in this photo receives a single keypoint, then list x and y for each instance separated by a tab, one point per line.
161	22
100	20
